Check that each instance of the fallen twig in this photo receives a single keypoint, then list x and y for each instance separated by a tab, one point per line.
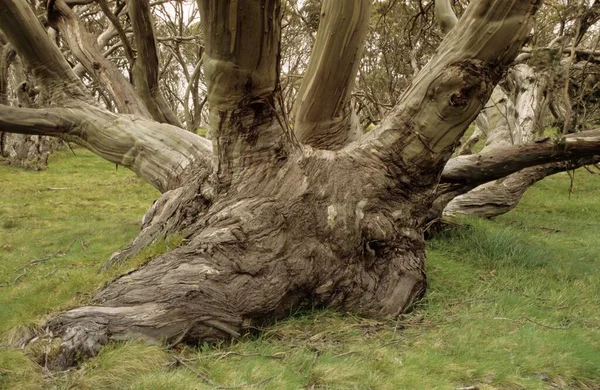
520	320
210	382
33	262
204	378
278	356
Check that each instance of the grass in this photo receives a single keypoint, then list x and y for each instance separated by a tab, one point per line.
513	303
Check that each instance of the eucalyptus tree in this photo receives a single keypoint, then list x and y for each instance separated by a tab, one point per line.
553	81
274	215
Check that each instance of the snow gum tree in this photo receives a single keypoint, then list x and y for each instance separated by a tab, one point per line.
274	215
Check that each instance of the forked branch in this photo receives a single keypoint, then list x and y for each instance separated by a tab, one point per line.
450	91
146	68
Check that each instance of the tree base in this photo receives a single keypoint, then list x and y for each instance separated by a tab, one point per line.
251	257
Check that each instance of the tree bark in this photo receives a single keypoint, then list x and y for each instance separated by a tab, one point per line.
242	74
501	196
324	116
84	47
278	223
146	69
165	156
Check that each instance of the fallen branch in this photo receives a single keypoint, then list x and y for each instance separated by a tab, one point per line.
33	262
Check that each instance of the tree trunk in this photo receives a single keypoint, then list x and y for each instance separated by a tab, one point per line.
274	223
513	119
24	151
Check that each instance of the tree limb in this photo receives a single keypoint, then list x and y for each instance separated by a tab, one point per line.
84	47
165	156
146	70
499	162
324	117
447	95
117	25
445	15
241	68
29	38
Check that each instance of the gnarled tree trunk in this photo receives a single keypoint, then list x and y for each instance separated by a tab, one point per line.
271	222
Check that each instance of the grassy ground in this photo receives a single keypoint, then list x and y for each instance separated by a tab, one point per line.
513	303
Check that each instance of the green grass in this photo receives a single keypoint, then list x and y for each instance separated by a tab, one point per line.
513	303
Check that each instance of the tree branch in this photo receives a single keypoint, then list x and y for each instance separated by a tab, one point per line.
447	95
117	25
165	156
241	68
445	14
146	70
499	197
496	163
84	47
324	116
29	38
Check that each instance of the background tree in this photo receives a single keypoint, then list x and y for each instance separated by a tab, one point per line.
273	216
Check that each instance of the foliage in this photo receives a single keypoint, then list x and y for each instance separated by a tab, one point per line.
512	303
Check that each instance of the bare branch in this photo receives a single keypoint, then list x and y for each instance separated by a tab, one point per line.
452	88
146	72
29	38
324	116
445	15
499	162
117	25
163	155
84	47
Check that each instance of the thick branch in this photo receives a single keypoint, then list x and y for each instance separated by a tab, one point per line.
42	56
445	15
146	70
324	117
163	155
84	47
499	197
451	90
241	69
499	162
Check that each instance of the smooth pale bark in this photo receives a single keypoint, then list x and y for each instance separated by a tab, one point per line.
43	58
529	101
324	117
241	69
114	20
504	122
84	47
163	155
146	68
445	15
421	133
